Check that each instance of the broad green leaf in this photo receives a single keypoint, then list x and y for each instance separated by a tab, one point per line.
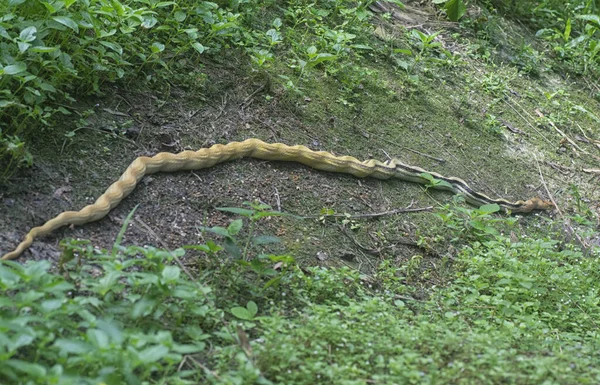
216	230
98	338
14	69
455	9
241	313
198	47
153	354
232	248
47	87
114	46
171	273
8	275
149	22
72	346
322	57
28	34
51	304
111	330
117	6
143	307
252	308
33	370
23	46
593	18
235	227
491	208
67	22
157	47
4	33
180	16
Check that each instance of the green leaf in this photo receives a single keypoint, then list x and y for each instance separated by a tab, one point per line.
157	47
28	34
122	231
189	349
216	230
567	32
47	87
241	313
143	307
51	304
163	4
149	22
252	308
23	46
67	22
198	47
455	9
153	354
232	248
114	46
31	370
43	49
171	274
180	16
320	58
14	69
237	210
593	18
72	346
98	338
489	209
235	227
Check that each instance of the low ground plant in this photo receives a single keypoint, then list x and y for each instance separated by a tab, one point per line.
511	311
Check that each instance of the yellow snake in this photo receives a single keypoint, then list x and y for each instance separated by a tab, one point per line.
255	148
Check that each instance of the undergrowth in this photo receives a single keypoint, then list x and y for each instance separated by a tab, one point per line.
510	312
54	52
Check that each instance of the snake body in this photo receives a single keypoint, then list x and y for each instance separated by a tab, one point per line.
255	148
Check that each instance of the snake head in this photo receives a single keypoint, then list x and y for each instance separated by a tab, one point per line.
535	203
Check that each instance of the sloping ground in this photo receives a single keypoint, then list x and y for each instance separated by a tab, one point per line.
465	113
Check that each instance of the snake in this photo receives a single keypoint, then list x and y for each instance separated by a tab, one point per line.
256	148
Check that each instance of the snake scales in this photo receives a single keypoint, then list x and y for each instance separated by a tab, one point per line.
254	148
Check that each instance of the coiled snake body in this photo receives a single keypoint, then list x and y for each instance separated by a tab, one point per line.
255	148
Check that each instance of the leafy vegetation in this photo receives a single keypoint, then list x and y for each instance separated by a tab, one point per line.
516	312
570	30
55	51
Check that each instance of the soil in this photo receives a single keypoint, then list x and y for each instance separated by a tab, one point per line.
441	116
